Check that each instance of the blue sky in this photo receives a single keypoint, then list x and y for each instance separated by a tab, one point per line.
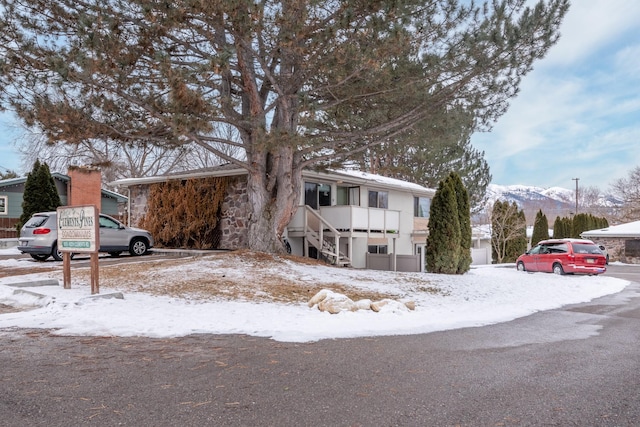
9	132
577	114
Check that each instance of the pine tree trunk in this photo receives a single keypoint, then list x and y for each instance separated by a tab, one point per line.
274	195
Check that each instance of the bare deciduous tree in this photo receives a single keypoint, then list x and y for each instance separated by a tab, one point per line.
508	231
628	190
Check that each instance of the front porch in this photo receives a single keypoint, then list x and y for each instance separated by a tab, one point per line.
342	234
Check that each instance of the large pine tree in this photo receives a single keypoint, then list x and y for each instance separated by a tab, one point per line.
296	79
434	149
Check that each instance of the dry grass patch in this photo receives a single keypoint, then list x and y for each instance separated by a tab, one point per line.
181	278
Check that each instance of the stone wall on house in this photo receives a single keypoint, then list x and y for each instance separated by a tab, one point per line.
234	215
615	248
138	196
234	212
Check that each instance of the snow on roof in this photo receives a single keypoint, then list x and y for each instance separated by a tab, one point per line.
334	174
630	229
382	179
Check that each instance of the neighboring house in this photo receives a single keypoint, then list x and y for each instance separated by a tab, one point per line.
481	245
622	241
346	217
11	194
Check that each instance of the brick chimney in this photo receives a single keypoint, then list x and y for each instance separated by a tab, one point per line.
85	186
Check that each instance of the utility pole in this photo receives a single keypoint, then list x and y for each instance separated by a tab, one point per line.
576	180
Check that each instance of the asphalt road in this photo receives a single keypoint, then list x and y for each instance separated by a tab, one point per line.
576	366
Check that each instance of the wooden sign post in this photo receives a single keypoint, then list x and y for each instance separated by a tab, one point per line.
78	232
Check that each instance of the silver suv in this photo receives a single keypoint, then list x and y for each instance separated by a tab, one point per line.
39	237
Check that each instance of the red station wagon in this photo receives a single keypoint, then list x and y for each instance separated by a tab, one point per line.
562	256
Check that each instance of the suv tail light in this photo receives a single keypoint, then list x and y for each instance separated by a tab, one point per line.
42	231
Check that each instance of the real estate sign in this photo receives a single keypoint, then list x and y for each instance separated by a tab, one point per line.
78	229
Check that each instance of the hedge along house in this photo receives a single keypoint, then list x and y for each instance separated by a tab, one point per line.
345	217
12	191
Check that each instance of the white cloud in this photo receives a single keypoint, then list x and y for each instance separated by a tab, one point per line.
578	109
591	25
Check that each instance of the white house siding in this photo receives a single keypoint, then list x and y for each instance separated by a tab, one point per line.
400	200
404	203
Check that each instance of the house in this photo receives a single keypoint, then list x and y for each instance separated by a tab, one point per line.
346	217
481	244
622	241
12	191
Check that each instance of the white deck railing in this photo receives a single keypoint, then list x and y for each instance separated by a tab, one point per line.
356	218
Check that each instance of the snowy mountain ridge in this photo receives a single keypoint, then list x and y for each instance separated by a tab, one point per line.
525	195
520	193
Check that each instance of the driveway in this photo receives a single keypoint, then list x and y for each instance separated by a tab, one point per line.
578	365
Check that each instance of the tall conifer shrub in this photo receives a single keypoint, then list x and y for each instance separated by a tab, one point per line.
540	228
443	243
464	217
40	193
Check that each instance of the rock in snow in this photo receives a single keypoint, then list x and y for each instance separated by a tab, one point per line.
333	302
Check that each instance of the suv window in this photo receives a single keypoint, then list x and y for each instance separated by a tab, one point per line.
36	221
108	223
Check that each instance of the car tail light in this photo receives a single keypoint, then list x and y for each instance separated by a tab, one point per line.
42	231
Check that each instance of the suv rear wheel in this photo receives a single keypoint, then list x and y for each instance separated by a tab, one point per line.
57	255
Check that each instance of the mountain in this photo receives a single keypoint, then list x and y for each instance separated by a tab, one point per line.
523	194
553	201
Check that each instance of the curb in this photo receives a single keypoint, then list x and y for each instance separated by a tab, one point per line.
187	252
33	283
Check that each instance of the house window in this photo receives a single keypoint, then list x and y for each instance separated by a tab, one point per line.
421	206
3	205
348	196
632	248
317	194
377	249
379	199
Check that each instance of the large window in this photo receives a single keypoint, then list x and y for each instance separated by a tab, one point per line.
317	194
379	199
348	196
421	206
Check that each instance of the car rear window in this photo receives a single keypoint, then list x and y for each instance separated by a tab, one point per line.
585	248
36	221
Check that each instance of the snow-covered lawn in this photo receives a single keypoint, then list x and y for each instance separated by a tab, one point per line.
246	293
